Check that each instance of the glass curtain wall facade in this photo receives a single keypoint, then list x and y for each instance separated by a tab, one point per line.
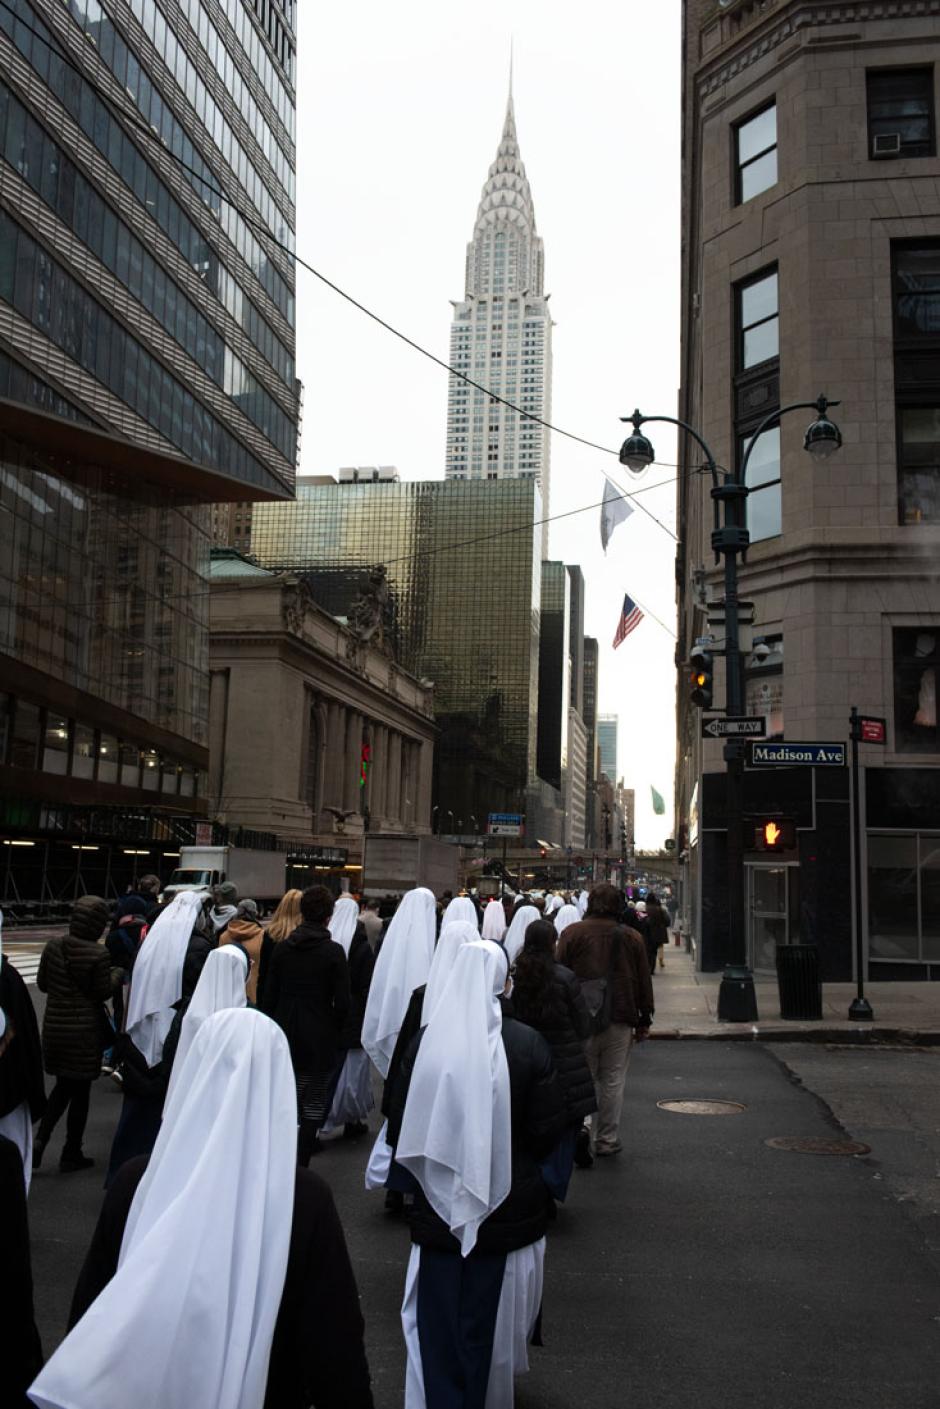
607	744
464	614
146	370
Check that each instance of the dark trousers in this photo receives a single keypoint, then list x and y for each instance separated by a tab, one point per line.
458	1298
71	1095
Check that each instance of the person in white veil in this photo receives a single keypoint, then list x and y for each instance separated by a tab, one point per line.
461	908
166	972
221	985
477	1103
353	1098
218	1275
567	915
552	903
582	903
494	921
522	917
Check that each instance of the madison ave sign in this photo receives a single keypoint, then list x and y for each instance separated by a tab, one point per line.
777	754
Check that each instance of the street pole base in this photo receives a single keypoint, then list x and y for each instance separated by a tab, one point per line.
737	1000
860	1011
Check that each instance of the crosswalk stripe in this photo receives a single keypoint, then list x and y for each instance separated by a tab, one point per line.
27	965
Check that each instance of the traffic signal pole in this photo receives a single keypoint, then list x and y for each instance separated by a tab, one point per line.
860	1010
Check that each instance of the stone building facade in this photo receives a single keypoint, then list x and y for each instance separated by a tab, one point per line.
315	734
811	262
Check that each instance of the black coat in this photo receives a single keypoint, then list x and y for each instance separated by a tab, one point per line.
20	1348
410	1027
317	1356
539	1120
565	1032
361	962
20	1050
306	992
75	975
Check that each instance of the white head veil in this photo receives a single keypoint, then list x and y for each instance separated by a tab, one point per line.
494	921
453	937
343	921
402	966
196	1295
567	915
456	1132
515	935
157	978
552	903
221	985
461	908
582	903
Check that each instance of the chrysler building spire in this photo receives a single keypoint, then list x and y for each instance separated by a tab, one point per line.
501	333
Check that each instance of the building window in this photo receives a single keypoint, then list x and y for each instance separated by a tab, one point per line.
25	735
916	667
757	395
904	896
900	113
916	284
55	757
755	142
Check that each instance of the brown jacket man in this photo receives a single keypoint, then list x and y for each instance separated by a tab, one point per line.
586	949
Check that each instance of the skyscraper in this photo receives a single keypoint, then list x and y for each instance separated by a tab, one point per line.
146	371
502	337
607	743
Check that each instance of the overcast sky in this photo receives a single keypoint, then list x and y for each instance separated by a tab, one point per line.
400	113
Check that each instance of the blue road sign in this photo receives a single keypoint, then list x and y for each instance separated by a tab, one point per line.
796	755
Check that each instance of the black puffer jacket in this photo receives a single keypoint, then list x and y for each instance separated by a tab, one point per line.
75	973
306	992
565	1032
539	1120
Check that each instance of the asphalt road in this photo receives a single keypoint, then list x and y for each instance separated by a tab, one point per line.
700	1267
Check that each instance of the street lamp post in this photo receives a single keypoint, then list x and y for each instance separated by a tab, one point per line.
736	1001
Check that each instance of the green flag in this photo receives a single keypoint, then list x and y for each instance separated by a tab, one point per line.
659	807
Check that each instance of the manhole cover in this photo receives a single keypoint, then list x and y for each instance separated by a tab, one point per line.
702	1107
817	1145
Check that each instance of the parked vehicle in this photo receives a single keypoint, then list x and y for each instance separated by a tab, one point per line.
260	875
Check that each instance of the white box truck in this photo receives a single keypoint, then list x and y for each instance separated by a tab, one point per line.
257	875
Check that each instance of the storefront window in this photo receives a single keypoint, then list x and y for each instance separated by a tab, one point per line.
892	896
83	752
168	778
108	759
25	735
130	765
916	667
150	777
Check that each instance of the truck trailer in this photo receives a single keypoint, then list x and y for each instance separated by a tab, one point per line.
256	875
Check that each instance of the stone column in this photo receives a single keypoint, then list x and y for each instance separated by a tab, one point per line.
353	759
335	748
379	774
408	780
423	786
394	778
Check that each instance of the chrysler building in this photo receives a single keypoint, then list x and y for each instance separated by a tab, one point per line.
502	336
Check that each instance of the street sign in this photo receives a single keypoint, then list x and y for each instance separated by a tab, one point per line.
505	824
735	726
805	755
872	731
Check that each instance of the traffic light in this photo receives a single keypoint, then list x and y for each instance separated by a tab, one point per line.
778	834
700	678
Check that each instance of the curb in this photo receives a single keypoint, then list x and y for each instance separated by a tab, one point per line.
856	1034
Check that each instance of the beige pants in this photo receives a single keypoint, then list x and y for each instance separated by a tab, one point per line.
608	1056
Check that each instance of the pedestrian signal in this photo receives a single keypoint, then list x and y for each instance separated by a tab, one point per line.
775	835
700	679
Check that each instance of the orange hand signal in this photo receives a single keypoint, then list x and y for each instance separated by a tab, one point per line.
772	833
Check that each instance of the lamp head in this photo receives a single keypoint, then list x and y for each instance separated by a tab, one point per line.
823	437
637	452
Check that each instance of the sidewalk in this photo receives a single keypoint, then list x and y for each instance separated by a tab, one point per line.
687	1006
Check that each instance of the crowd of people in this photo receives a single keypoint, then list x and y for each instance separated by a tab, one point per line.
501	1034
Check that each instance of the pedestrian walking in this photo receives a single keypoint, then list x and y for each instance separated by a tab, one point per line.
371	922
523	917
218	1274
353	1099
461	908
476	1106
245	930
22	1088
224	906
567	915
164	978
20	1346
548	997
494	921
611	964
307	994
76	976
657	921
221	985
638	920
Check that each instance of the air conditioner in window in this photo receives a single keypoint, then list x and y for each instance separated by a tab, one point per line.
886	144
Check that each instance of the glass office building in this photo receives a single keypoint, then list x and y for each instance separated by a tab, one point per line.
146	371
462	610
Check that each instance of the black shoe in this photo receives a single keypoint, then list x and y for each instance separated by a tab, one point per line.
39	1149
74	1164
582	1150
353	1129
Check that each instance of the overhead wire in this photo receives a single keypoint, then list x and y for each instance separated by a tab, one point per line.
254	222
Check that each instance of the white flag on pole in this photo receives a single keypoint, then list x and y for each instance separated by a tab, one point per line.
615	509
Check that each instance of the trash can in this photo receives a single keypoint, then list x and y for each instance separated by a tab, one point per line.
798	981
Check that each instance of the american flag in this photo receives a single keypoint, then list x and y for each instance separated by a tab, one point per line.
630	617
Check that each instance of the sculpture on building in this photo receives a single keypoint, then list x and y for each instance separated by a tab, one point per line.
371	613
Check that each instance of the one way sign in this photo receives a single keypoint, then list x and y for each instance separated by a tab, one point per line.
744	726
